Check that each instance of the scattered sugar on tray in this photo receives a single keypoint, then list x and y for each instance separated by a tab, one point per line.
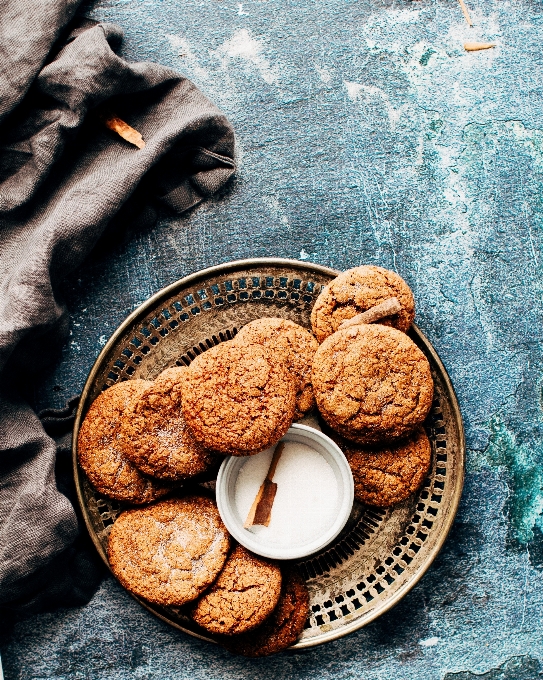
306	501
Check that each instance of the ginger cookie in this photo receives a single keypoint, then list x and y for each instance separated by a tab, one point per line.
356	290
387	475
282	628
372	383
238	399
99	451
169	552
243	596
155	436
294	345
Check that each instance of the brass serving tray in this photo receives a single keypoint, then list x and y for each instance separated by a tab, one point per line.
381	554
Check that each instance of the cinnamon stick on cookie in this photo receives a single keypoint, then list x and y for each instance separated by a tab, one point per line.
380	311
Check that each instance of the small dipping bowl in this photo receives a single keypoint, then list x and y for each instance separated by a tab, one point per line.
256	542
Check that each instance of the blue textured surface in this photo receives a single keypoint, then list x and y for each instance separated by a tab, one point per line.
365	135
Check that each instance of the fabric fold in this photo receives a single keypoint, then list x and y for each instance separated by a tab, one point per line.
64	177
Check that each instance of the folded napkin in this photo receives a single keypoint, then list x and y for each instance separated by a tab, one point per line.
64	177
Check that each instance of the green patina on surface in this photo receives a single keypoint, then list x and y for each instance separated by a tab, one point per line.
524	466
423	61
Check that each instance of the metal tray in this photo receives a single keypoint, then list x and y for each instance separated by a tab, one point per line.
381	554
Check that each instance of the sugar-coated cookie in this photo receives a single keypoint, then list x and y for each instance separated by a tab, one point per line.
171	551
356	290
155	436
282	628
372	383
294	345
238	399
243	596
99	450
389	474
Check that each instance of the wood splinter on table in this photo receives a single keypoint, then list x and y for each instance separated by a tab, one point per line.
465	12
116	124
474	46
260	512
386	308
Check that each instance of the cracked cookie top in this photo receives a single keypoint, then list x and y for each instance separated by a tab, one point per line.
170	552
356	290
238	399
387	475
155	436
243	596
99	450
282	628
294	345
372	383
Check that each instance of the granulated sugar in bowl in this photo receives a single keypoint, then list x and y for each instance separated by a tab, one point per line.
313	500
305	505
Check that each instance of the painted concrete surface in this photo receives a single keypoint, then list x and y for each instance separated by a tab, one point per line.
365	135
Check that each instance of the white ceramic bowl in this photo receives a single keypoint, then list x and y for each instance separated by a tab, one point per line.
226	483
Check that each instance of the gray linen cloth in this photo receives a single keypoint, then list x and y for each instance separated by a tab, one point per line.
63	178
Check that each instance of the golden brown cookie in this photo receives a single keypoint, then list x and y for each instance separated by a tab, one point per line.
356	290
387	475
238	399
295	347
243	596
372	383
171	551
155	436
99	451
282	628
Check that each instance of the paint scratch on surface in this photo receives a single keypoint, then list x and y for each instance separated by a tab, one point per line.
360	92
276	210
184	51
243	46
525	588
324	73
429	642
480	305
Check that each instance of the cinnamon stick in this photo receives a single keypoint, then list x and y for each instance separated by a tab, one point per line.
260	512
128	133
386	308
474	46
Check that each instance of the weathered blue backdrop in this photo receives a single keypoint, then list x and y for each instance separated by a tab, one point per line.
365	135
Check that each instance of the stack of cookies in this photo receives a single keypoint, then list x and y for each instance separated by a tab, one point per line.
373	385
178	552
141	440
134	443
